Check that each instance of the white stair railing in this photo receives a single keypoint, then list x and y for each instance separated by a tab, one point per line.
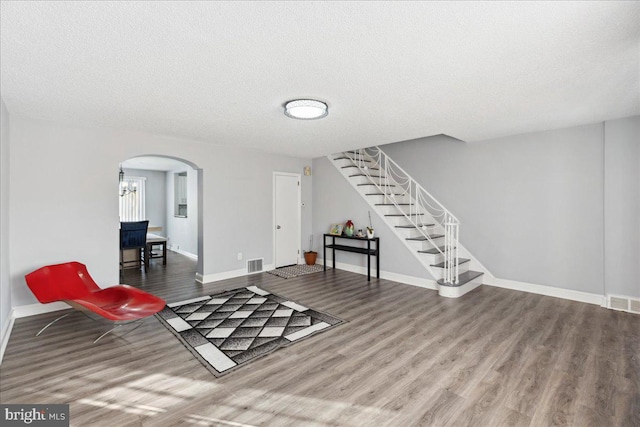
395	183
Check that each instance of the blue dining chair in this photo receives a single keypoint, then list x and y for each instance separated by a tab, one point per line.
133	235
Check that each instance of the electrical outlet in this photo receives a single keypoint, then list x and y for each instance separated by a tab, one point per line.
239	256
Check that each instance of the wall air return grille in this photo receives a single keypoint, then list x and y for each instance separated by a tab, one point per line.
619	303
631	305
254	265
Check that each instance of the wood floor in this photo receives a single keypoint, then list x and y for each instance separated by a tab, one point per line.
406	357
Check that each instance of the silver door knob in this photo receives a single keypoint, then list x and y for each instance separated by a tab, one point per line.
278	227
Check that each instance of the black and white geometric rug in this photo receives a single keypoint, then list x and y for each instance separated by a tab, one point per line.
230	329
296	270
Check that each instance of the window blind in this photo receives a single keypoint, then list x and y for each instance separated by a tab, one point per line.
132	202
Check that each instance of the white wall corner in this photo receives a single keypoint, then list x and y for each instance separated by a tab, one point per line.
6	334
26	311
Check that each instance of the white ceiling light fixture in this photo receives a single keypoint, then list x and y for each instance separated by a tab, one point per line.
306	109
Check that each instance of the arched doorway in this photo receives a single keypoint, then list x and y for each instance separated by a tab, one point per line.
166	191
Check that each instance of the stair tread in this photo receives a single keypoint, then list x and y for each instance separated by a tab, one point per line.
402	214
424	239
349	158
364	174
370	183
355	166
414	226
382	194
463	278
393	204
458	260
432	251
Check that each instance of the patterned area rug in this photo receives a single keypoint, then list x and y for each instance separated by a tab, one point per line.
230	329
296	270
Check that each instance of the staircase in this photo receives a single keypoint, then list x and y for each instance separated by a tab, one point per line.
425	227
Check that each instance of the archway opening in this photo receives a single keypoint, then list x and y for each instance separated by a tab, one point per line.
167	192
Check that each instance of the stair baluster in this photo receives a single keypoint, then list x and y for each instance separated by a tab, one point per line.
397	181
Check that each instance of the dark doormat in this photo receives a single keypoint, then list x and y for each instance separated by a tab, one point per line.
296	270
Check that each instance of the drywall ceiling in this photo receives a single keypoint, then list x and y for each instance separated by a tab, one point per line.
220	72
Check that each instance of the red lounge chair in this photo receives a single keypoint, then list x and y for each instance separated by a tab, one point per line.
70	282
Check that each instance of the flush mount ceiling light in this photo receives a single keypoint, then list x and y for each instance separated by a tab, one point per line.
306	109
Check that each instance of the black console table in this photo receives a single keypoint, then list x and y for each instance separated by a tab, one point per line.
359	250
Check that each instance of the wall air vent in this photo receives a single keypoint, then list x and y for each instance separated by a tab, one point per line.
624	303
619	303
254	265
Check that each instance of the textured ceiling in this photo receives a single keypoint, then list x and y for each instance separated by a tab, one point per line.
219	72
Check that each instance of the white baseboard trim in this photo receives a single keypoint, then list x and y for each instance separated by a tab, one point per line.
215	277
26	311
185	253
34	309
387	275
420	282
6	334
551	291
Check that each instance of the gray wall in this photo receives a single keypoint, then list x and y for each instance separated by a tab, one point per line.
46	157
155	196
540	208
5	284
182	232
622	206
530	206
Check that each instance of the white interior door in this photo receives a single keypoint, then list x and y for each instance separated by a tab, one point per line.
286	219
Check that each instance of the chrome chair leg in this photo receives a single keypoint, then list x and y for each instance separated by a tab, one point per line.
118	326
139	323
51	323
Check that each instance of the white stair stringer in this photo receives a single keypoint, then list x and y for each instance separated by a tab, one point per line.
469	268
